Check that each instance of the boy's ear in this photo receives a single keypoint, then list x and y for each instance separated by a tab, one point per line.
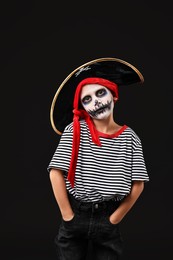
115	99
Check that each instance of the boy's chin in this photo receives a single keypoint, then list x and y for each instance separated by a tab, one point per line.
101	116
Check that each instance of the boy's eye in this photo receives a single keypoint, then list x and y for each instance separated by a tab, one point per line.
86	99
101	92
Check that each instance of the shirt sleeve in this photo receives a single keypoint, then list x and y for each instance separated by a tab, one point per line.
139	170
62	156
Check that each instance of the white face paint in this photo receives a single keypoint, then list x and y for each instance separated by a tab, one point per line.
97	100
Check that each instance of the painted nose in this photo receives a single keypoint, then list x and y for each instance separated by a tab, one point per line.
97	103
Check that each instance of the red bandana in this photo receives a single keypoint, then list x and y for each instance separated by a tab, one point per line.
81	113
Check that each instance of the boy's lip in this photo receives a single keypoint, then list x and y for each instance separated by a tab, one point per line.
99	110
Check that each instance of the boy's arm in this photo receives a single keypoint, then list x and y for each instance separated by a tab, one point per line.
128	202
60	193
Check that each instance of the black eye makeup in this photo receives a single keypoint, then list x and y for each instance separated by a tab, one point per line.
86	99
101	92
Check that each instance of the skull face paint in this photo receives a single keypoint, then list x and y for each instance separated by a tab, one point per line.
97	100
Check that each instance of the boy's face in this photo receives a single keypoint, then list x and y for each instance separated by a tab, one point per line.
97	100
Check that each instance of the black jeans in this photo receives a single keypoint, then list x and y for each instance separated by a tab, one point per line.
90	223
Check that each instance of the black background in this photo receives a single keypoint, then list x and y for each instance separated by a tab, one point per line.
41	43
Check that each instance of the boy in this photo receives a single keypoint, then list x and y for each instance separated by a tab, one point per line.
98	170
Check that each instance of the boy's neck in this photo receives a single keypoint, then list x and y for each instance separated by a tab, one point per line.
106	126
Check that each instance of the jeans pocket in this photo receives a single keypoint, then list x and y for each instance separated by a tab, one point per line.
72	228
69	222
112	224
107	220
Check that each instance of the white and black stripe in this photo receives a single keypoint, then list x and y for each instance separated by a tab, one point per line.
102	171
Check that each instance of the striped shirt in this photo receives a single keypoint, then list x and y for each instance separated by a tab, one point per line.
102	172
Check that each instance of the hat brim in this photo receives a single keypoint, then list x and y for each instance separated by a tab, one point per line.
113	69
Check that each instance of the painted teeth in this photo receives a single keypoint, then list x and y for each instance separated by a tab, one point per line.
100	110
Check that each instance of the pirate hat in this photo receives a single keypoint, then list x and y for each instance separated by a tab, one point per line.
112	69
